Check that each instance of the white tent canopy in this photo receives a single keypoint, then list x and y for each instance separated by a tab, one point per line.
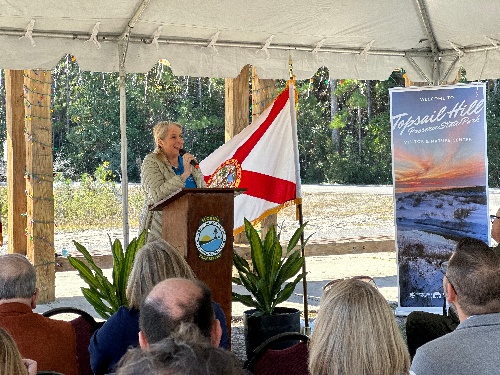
361	39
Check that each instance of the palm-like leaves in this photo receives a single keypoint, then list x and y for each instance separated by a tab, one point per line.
104	296
266	279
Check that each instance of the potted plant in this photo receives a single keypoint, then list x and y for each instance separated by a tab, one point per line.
266	279
106	297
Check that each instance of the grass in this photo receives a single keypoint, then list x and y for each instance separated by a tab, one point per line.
88	205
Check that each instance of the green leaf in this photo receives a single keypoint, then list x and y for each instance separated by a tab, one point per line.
104	311
295	238
266	279
104	296
257	251
84	272
240	263
287	291
244	299
88	258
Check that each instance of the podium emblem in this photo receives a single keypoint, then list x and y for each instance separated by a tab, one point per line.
210	238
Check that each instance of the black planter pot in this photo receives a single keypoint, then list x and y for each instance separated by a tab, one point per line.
260	328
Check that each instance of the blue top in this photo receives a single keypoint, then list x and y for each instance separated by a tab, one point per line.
121	331
189	183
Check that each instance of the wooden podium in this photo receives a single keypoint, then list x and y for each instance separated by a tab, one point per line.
199	223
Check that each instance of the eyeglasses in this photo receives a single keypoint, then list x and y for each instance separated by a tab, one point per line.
444	269
366	279
493	218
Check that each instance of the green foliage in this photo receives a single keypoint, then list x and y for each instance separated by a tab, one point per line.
94	202
266	279
313	130
374	165
87	117
104	296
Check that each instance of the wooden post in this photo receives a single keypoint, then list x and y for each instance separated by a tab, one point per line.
237	109
263	94
39	180
237	103
16	161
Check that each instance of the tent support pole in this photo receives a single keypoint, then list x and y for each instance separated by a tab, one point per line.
122	49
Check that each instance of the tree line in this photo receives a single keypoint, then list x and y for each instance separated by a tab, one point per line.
343	125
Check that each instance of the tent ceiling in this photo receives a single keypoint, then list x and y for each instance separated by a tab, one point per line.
362	39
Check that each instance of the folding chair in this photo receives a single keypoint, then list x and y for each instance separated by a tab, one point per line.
84	325
292	360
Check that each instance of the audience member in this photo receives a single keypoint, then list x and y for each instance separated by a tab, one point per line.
356	333
154	262
422	326
175	301
51	343
186	351
11	362
472	285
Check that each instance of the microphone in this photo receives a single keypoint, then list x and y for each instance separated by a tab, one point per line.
193	162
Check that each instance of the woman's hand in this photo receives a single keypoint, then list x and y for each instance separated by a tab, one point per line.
31	366
186	160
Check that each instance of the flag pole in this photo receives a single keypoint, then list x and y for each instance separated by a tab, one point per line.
306	329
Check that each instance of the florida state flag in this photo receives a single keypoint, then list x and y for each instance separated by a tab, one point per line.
264	159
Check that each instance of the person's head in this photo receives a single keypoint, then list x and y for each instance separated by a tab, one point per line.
175	301
17	280
472	280
495	227
154	262
168	138
10	359
185	352
356	333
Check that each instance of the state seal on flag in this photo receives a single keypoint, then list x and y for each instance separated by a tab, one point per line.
210	238
228	175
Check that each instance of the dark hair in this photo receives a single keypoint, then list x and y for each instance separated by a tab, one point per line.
474	272
157	323
186	352
17	277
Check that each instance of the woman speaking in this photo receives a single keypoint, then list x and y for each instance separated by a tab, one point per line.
164	171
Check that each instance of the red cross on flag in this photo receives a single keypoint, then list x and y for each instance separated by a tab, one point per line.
264	159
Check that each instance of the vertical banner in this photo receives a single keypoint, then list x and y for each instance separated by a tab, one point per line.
440	183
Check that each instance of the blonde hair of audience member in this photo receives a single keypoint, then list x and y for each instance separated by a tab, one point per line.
154	262
11	362
356	334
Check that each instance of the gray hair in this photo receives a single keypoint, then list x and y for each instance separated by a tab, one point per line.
474	273
17	277
185	352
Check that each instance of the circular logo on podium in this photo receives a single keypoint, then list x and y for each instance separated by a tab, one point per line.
227	175
210	238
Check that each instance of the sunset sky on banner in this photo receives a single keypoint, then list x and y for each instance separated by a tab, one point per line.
438	137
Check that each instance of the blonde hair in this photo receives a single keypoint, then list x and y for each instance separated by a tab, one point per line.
160	131
356	333
156	261
10	359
